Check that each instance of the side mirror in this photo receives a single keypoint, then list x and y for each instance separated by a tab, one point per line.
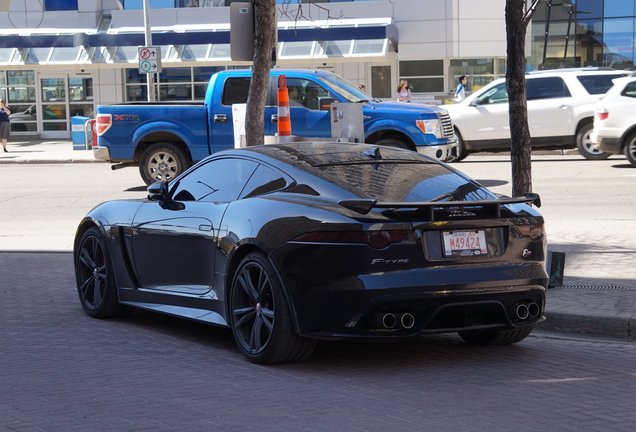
158	191
324	103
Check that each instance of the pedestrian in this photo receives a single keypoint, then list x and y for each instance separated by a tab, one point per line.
460	91
5	126
404	92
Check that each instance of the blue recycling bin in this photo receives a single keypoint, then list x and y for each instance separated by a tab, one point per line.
79	135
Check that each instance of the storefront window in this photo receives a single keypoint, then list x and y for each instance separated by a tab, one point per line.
618	38
424	76
619	8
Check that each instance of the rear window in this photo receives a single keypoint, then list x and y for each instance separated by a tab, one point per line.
235	91
405	182
597	84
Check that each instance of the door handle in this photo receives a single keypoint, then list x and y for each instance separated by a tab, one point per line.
274	118
205	227
564	107
220	118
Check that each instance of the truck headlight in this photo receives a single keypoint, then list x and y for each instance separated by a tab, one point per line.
430	127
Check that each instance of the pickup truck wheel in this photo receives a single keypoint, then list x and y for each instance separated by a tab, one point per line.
588	149
393	142
161	162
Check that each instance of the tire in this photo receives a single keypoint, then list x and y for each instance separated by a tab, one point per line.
461	153
585	146
161	162
393	142
495	337
259	315
94	277
630	149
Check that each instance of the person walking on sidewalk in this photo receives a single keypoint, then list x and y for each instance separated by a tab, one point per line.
5	125
460	91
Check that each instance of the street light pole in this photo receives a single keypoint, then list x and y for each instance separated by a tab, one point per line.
150	81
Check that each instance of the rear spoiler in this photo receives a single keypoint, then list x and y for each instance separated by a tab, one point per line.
364	206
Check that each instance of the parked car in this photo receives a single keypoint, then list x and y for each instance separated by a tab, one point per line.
560	112
615	120
288	244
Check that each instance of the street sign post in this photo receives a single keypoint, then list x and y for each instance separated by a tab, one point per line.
149	59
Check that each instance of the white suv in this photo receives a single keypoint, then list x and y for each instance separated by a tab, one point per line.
560	112
615	120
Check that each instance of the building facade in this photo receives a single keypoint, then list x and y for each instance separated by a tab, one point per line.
61	58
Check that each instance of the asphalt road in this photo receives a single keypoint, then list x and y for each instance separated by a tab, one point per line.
63	371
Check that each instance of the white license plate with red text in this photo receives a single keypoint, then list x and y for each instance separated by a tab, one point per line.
465	243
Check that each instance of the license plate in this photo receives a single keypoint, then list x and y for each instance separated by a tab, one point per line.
464	243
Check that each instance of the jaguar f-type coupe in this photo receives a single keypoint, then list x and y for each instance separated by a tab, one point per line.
289	244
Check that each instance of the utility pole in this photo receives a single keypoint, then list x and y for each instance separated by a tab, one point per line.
150	77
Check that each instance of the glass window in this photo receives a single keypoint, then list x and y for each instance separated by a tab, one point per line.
60	5
154	4
589	42
175	92
630	90
175	75
220	51
409	182
264	180
597	84
6	54
336	48
618	38
195	52
424	76
203	74
21	78
381	81
546	88
497	94
80	89
421	68
53	90
220	180
235	91
369	47
619	8
68	54
297	49
591	8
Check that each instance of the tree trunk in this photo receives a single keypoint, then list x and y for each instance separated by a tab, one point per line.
264	39
520	151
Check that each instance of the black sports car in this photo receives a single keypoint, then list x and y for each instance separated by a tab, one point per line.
287	244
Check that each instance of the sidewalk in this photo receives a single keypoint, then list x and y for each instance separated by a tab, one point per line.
600	301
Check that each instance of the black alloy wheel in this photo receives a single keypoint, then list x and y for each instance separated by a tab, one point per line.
94	277
630	149
260	317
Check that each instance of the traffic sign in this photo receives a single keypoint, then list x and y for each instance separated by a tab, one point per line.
149	59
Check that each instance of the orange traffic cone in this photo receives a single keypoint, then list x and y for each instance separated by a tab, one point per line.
284	119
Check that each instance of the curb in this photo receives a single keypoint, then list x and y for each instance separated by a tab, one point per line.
589	325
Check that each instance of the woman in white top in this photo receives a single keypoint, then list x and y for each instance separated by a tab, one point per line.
404	91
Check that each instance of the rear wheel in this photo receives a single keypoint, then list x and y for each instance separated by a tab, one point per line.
161	162
94	277
495	337
586	147
630	149
259	315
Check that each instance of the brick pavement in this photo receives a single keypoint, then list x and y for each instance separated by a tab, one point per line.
63	371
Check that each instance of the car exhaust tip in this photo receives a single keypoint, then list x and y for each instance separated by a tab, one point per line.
389	320
407	320
534	310
522	312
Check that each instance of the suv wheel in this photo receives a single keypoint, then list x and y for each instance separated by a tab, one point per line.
630	149
588	149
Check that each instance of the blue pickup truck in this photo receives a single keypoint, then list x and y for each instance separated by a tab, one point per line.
166	138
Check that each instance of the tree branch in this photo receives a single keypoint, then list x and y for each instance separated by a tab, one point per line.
529	13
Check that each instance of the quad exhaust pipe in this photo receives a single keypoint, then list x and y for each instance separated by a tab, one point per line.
401	320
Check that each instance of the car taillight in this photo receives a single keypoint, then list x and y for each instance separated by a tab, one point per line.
602	115
374	239
534	231
103	123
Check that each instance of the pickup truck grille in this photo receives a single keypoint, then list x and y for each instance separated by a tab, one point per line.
447	125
